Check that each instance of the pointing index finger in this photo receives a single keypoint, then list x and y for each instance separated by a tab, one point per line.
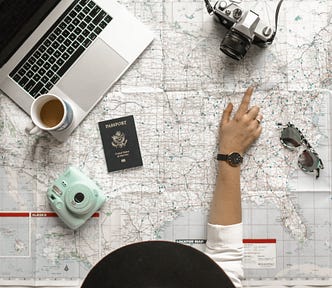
243	108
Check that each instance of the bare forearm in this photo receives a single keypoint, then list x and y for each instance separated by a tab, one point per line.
226	203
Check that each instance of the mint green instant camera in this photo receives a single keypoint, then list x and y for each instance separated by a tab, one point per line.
75	197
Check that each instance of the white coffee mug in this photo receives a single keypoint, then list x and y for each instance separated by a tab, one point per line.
50	113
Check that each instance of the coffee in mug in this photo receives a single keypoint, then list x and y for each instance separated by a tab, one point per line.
50	113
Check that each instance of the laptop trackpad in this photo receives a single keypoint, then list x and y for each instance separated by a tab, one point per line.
93	74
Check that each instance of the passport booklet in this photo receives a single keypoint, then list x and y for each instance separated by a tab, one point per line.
120	143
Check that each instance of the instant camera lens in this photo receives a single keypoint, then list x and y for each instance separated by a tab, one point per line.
235	45
79	197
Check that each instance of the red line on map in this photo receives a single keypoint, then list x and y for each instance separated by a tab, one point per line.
257	241
14	214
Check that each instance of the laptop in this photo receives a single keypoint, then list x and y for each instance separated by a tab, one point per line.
74	49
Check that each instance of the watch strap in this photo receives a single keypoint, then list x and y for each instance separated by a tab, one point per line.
222	157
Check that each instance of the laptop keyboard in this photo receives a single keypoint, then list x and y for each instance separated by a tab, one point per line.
60	47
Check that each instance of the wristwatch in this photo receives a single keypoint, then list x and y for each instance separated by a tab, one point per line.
234	159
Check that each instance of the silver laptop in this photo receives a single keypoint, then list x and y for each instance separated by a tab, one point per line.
74	49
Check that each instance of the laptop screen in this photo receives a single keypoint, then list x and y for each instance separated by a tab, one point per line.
18	19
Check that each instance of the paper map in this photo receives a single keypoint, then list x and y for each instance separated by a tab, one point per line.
177	91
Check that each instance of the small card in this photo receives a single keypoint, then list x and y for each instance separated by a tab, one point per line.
120	143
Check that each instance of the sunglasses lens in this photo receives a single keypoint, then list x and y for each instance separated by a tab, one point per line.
290	137
308	161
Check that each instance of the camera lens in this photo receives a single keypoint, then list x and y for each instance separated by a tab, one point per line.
235	45
79	197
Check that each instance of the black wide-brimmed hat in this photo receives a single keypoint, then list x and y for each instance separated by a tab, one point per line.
156	264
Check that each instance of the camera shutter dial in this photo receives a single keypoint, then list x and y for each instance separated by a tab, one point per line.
267	31
222	5
237	13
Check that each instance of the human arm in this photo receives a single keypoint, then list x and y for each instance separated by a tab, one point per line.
235	135
224	231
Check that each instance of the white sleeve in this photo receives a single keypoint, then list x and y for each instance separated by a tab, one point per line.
225	246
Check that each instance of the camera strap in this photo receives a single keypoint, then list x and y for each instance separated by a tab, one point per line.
276	22
209	7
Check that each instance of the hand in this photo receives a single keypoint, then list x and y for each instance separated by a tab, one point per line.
237	134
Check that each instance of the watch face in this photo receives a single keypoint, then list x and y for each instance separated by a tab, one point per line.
235	159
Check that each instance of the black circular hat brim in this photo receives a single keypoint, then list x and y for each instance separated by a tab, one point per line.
156	264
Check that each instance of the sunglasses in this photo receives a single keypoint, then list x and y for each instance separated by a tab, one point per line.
308	161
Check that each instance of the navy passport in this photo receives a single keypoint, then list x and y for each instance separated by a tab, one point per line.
120	143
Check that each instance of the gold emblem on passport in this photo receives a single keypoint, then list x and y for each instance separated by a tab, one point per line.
119	140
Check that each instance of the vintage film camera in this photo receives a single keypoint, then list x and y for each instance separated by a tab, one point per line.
245	27
75	197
